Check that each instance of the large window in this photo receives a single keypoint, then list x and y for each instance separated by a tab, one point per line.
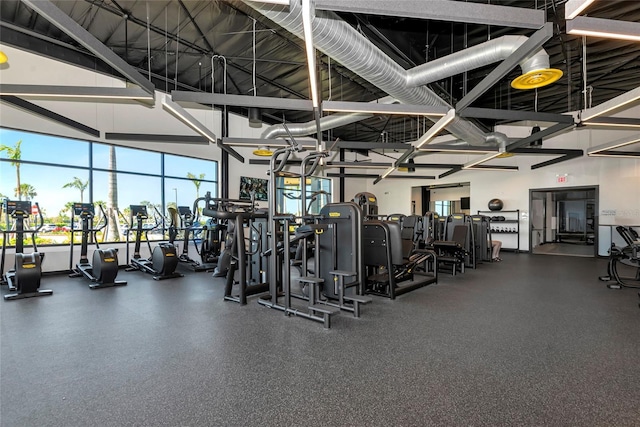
55	172
443	207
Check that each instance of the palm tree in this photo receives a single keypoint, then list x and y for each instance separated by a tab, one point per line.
79	184
113	231
28	190
196	181
66	209
14	154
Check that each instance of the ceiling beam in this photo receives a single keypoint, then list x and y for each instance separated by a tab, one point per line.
619	122
242	100
442	10
568	156
351	175
494	167
451	172
64	22
409	175
361	164
126	93
267	162
616	153
378	108
258	142
360	145
48	114
552	130
547	151
144	137
489	113
617	103
573	8
523	52
605	28
184	116
429	165
447	148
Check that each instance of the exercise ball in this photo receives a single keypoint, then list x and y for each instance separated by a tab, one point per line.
495	205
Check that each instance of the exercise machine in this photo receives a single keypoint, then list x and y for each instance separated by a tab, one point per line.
394	262
249	261
431	228
368	203
482	232
24	278
628	256
455	220
102	272
164	259
184	218
452	252
334	283
211	234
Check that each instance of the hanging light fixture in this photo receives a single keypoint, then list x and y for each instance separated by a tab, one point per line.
409	168
255	117
255	114
537	142
3	57
263	151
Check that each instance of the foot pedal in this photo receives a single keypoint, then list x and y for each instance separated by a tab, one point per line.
325	309
358	299
327	312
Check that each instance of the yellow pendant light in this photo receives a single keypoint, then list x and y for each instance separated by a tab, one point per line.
504	155
536	78
263	151
3	57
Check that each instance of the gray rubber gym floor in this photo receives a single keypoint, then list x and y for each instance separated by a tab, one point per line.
533	340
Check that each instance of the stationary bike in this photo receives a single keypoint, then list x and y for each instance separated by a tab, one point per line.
164	260
24	278
104	269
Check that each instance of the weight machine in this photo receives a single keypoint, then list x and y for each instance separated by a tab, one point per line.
393	259
251	264
333	271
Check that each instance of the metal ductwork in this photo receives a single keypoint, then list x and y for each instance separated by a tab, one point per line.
327	122
343	43
535	70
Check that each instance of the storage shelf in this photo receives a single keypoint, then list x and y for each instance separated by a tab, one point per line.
509	214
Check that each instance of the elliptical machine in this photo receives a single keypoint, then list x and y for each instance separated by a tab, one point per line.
104	269
24	278
164	259
209	250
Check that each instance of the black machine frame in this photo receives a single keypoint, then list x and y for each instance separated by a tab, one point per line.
389	272
211	237
24	278
628	255
164	255
280	263
102	272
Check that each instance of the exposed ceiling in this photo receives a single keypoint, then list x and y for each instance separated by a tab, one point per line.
178	41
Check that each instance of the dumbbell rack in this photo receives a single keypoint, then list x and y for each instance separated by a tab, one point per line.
509	222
